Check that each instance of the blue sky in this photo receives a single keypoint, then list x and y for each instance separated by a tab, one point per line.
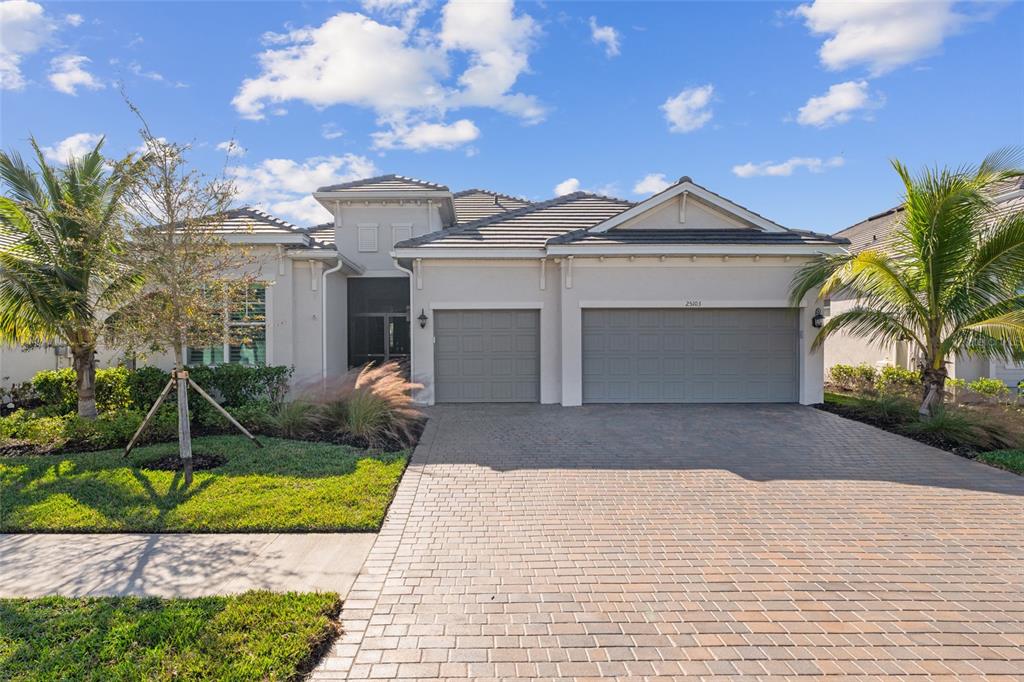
790	109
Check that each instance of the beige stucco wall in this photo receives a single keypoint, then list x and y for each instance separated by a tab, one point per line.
615	282
420	217
665	216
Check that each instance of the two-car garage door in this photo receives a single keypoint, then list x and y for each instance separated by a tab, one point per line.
690	355
629	355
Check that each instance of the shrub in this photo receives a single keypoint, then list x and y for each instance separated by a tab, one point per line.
145	384
297	419
240	385
379	406
256	417
56	388
960	428
990	388
899	381
857	378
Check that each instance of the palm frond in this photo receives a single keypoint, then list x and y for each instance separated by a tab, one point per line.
874	325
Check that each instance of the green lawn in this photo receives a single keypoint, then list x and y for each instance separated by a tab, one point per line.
253	636
286	486
1011	460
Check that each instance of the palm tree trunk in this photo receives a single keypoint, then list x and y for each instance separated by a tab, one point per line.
934	381
84	361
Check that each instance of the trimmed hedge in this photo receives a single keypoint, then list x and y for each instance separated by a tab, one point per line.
118	388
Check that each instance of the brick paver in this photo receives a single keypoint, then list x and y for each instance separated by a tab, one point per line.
721	542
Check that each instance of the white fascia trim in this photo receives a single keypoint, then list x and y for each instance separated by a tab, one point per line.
699	192
487	305
694	250
682	303
241	238
470	253
1012	194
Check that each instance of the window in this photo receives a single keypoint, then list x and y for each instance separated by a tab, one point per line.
367	237
245	327
400	232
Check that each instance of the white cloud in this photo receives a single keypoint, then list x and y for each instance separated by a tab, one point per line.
231	148
24	29
690	109
67	74
283	186
567	186
424	136
786	168
605	35
73	146
407	12
329	131
652	183
401	72
881	35
73	20
837	105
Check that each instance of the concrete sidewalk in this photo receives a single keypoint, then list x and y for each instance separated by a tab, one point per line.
179	565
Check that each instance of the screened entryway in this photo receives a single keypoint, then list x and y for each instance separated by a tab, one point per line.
378	320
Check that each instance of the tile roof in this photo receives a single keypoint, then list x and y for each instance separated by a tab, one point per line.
879	230
385	183
476	204
249	220
8	240
528	227
322	234
694	236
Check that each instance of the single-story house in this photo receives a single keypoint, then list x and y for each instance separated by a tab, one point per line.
877	232
683	297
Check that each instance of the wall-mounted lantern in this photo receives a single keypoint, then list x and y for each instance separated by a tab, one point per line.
423	319
818	321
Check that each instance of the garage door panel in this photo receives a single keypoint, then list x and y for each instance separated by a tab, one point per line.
680	355
487	356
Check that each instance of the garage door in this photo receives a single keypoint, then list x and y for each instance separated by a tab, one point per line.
487	356
683	356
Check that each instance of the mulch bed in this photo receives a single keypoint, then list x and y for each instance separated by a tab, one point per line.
933	440
200	462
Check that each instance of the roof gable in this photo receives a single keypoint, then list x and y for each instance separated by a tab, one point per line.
726	213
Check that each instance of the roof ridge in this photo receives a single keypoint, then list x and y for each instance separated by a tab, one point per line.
464	192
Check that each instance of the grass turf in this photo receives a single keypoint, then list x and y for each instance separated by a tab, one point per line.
1011	460
252	636
286	486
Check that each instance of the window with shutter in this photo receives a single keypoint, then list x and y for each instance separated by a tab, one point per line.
400	232
367	237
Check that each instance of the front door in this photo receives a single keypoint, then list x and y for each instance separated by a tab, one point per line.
378	322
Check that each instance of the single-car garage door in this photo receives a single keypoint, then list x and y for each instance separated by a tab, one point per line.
483	356
690	355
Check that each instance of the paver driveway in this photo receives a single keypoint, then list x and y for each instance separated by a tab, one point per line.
645	542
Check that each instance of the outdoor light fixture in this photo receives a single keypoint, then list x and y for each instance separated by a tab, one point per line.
818	321
423	319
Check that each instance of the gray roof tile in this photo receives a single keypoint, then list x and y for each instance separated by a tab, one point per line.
694	236
385	183
476	204
249	220
528	227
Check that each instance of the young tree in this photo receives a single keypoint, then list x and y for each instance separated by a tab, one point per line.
191	273
62	277
952	283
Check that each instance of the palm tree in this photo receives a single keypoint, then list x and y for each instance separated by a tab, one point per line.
952	283
61	276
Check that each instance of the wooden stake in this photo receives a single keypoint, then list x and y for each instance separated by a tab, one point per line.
184	426
149	416
224	413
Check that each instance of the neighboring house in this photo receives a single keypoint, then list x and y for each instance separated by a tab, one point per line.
878	232
580	299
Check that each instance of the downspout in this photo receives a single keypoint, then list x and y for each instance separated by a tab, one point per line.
323	319
412	286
